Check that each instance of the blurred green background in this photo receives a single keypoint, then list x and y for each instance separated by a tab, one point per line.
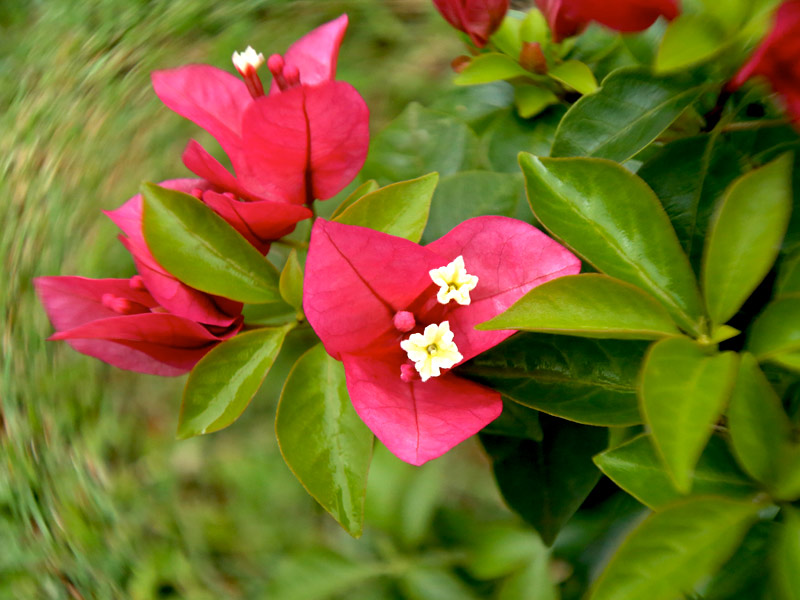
97	498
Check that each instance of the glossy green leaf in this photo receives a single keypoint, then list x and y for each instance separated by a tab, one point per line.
612	218
291	281
688	40
636	468
683	392
198	247
531	100
785	557
362	190
776	330
489	67
546	482
628	112
420	141
576	75
583	380
761	433
673	549
745	237
591	305
222	384
472	194
399	209
322	439
688	176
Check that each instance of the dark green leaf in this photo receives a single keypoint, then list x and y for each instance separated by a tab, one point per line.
583	380
745	237
516	420
474	104
612	218
683	393
786	557
546	482
788	276
637	469
291	281
222	384
417	142
629	111
591	305
322	439
673	549
472	194
399	209
746	574
688	175
198	247
508	134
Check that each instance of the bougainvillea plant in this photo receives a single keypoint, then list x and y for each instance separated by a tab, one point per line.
588	253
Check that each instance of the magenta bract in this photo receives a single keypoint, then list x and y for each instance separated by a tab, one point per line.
119	322
362	291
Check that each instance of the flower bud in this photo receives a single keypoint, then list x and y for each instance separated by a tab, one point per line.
532	59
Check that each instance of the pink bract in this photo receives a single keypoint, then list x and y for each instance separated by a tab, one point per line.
358	279
119	322
479	19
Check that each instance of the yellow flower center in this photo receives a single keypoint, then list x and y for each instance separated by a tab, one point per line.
454	282
432	350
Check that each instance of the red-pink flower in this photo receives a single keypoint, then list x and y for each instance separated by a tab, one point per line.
119	322
569	17
479	19
306	140
778	58
367	292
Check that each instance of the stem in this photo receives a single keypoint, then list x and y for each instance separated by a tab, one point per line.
713	116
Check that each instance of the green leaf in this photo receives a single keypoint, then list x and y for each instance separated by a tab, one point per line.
222	384
628	112
533	582
531	100
788	282
688	176
761	433
546	482
611	218
198	247
534	27
689	40
683	393
362	190
590	305
516	420
776	331
434	583
322	439
575	75
399	209
499	549
673	549
583	380
472	194
746	236
508	134
743	575
637	469
507	37
420	141
291	281
489	67
785	557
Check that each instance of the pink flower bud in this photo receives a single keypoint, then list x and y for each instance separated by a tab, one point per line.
404	321
532	58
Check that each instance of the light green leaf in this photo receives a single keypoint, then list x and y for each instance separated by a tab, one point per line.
628	112
291	281
591	305
531	100
583	380
362	190
489	67
689	40
198	247
534	27
612	219
683	392
222	384
746	236
776	331
576	75
673	549
399	209
636	468
786	557
322	439
507	37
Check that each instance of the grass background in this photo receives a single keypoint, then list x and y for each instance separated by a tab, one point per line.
97	498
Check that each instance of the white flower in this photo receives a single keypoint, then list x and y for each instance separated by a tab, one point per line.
432	350
455	282
248	59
